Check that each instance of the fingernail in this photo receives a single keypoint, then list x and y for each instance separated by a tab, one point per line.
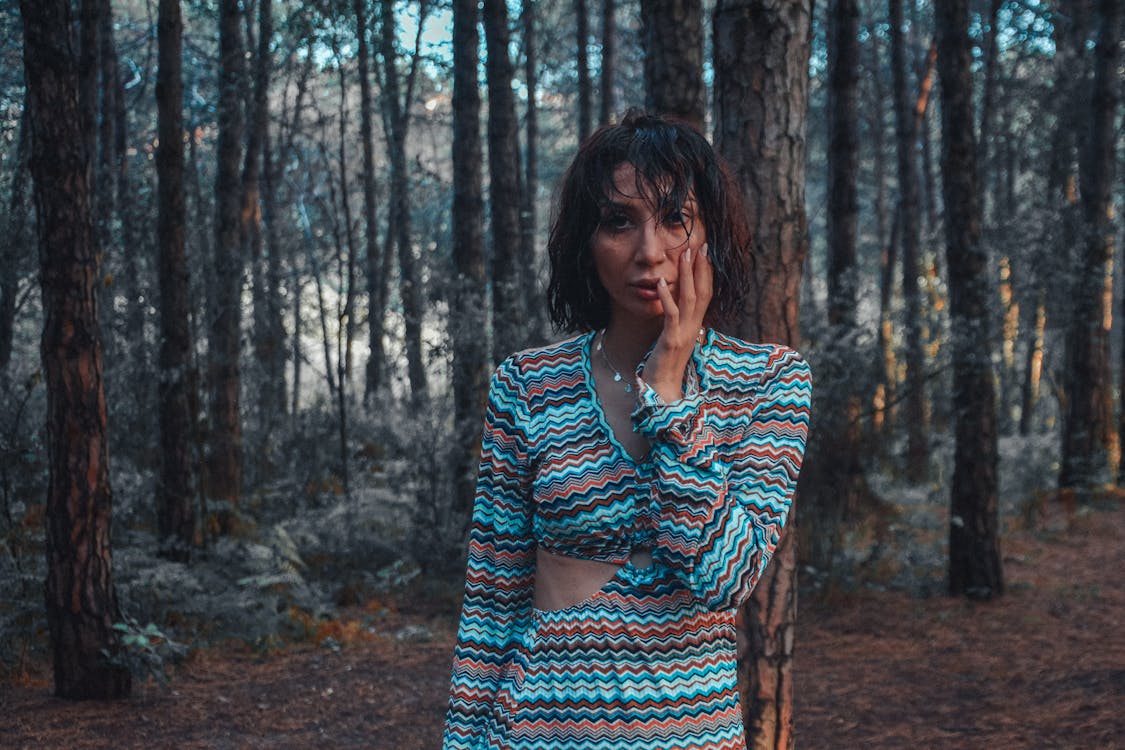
687	254
662	282
704	249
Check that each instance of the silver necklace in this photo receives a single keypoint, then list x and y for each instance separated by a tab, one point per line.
617	377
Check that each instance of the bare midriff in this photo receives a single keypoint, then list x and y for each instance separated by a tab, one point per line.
562	581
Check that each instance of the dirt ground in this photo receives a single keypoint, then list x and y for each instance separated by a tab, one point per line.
1042	667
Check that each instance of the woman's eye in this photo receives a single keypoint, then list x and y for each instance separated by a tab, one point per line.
615	222
678	218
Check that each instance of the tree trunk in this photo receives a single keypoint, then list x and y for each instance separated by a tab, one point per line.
585	97
470	350
15	250
376	300
270	341
672	38
1090	449
974	547
761	102
410	280
81	602
177	494
508	314
224	346
609	61
533	297
914	408
1033	361
835	486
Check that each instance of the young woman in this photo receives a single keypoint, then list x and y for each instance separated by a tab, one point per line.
634	478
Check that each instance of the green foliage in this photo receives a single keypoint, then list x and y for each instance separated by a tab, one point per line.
145	651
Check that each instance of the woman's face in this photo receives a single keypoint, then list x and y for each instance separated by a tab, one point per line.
636	244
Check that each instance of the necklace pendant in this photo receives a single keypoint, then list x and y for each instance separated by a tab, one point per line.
628	388
617	378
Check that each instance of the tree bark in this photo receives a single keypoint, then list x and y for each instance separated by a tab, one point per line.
177	493
1090	443
533	298
914	408
672	38
376	297
974	546
761	102
609	61
470	351
224	346
81	603
585	96
15	250
397	107
508	311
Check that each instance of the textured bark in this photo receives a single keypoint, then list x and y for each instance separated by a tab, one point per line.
609	61
672	38
224	346
914	408
397	108
176	503
470	350
835	486
1033	362
761	103
988	106
1090	441
107	125
533	297
882	418
80	598
508	313
585	95
269	341
15	247
974	545
376	285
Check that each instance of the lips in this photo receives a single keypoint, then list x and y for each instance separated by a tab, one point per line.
646	289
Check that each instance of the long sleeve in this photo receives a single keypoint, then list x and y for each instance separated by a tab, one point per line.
501	568
723	486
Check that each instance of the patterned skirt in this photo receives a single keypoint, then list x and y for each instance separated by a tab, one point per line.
640	664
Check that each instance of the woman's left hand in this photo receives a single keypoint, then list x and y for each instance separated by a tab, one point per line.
683	319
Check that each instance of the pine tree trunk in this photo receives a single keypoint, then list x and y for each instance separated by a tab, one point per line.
177	495
470	351
1090	441
533	297
15	248
508	314
81	603
609	61
224	346
914	408
409	278
672	37
585	96
761	103
376	299
974	546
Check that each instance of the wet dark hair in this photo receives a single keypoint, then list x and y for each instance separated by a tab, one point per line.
672	160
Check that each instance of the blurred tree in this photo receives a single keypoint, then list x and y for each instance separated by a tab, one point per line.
1090	450
176	493
909	217
224	476
585	95
761	102
81	602
508	313
974	552
471	361
609	61
672	34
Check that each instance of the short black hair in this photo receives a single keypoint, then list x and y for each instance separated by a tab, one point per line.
672	161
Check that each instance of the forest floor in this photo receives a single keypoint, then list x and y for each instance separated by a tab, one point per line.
878	667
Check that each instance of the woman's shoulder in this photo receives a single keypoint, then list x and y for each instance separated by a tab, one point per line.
743	363
538	360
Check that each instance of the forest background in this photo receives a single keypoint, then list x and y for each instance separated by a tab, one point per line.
258	260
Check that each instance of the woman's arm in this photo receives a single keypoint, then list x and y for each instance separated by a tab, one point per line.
501	571
720	519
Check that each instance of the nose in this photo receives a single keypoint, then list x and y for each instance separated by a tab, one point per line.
651	247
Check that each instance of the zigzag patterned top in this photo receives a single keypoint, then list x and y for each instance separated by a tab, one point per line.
709	499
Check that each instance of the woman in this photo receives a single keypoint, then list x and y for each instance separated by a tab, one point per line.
634	478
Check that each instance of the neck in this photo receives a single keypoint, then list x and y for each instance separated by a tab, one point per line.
628	343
